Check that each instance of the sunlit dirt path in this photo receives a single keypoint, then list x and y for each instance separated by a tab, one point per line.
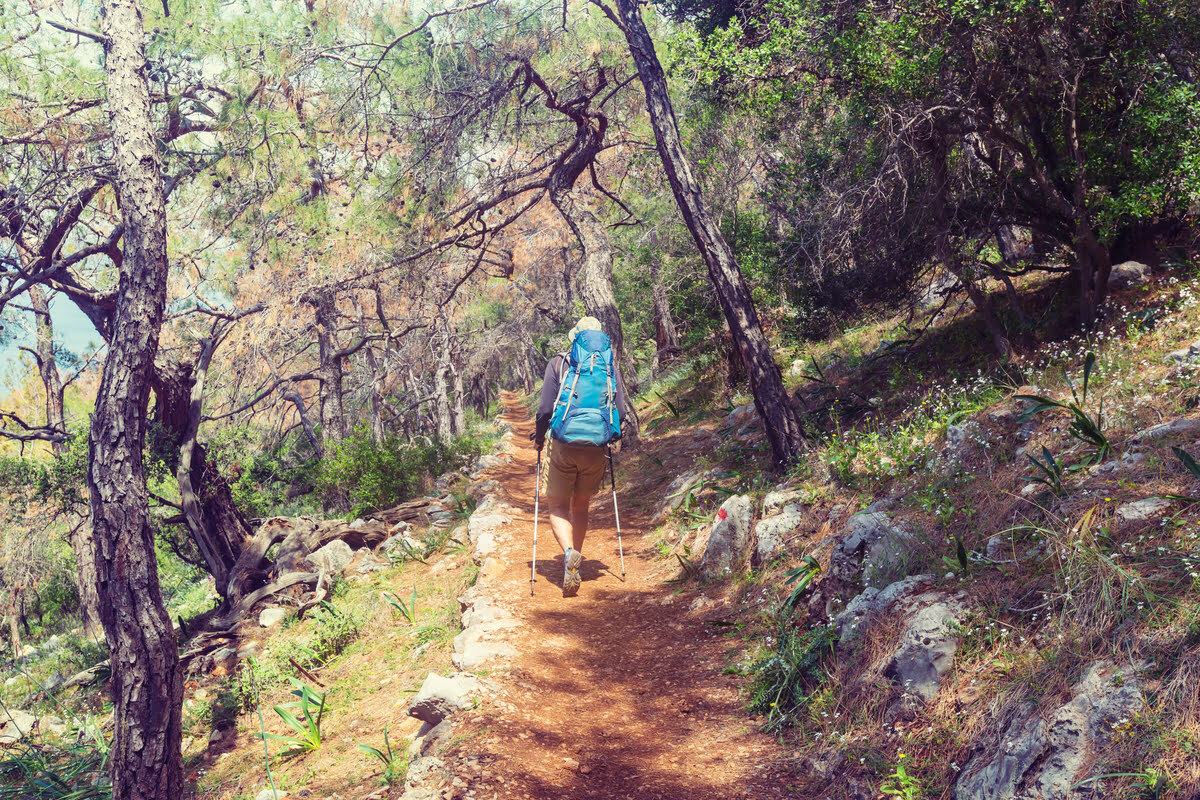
616	693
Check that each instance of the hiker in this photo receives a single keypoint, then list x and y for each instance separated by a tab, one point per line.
582	405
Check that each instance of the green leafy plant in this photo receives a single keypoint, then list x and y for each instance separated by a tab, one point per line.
783	679
307	725
961	560
802	576
901	784
395	762
407	610
1084	426
1052	472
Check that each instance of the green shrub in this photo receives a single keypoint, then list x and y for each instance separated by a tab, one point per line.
784	679
374	476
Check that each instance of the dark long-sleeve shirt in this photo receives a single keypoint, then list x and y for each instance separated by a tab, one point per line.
551	388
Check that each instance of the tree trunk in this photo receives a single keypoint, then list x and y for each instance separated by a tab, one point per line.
780	420
48	366
441	395
89	592
296	400
951	260
666	340
329	372
146	686
460	414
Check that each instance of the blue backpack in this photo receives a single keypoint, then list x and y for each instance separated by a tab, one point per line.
586	410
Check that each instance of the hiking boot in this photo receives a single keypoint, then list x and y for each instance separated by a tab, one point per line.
572	560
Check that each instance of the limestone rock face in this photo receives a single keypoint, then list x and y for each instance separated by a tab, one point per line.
872	550
1042	757
270	617
440	697
729	542
931	632
1184	426
770	533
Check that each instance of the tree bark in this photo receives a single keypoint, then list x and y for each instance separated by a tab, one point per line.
666	339
329	372
48	366
441	395
779	417
212	518
460	415
146	686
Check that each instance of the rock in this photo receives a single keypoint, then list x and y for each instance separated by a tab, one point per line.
1188	355
53	644
13	681
928	645
1149	509
17	725
270	617
490	462
729	542
54	726
485	522
1044	757
942	286
770	533
225	660
1128	273
430	739
271	794
872	550
1176	428
479	489
331	559
739	417
365	563
477	651
440	697
27	651
775	501
54	682
677	491
930	638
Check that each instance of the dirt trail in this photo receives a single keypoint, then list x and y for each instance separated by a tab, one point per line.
616	693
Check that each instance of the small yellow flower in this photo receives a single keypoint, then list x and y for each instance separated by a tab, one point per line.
902	755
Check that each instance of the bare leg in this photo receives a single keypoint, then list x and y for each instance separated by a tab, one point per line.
569	520
559	522
579	519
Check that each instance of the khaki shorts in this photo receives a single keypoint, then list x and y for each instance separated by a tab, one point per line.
575	471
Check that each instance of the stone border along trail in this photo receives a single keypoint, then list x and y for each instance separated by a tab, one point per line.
616	693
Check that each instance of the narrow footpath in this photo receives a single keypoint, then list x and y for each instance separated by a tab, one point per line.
616	693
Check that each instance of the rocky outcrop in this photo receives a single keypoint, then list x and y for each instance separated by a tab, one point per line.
931	634
440	696
676	492
1176	428
872	551
728	547
1188	355
1151	509
1044	757
770	533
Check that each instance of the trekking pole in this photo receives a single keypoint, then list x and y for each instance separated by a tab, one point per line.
537	495
616	514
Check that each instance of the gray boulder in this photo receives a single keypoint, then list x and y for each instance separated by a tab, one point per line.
1043	757
677	491
270	617
1128	273
770	533
54	682
440	697
729	541
872	550
332	558
1147	510
779	499
16	726
931	634
482	522
1188	355
1176	428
